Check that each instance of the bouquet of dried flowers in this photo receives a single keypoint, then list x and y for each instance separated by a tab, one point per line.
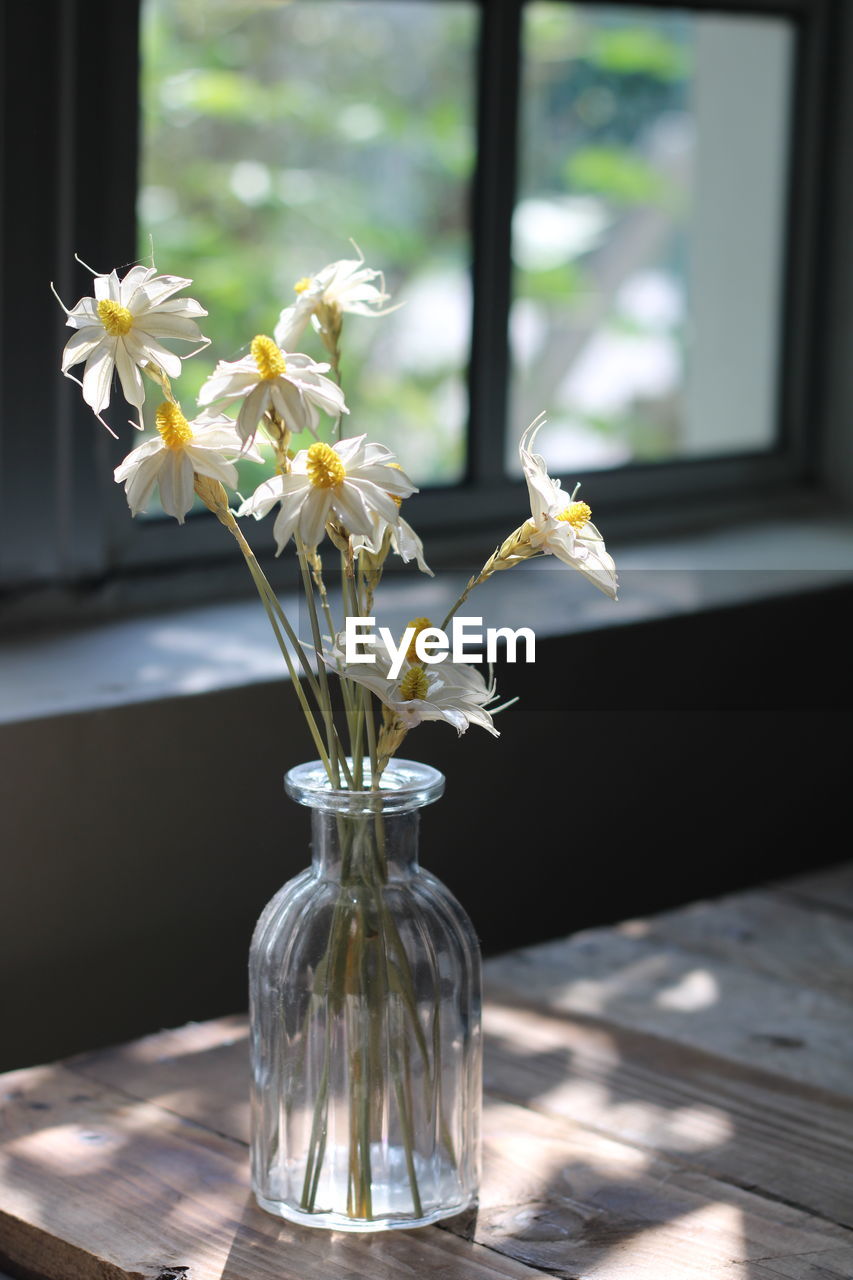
343	490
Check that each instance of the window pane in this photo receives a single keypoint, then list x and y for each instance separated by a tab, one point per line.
271	134
648	233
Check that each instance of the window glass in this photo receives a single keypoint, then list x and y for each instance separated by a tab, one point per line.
271	133
648	233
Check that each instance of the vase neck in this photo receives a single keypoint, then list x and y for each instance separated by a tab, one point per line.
357	848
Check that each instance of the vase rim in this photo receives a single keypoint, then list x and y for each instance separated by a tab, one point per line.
405	785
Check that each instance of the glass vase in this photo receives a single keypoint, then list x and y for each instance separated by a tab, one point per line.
365	1020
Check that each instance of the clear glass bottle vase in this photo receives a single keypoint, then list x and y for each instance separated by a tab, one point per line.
365	1021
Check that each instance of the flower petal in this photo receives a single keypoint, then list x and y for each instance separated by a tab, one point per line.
141	481
408	546
292	321
267	494
228	381
176	484
321	391
141	347
81	345
350	450
98	374
593	562
252	410
388	479
290	405
83	314
156	290
315	512
165	325
129	376
144	450
129	287
349	503
286	522
209	462
108	287
376	499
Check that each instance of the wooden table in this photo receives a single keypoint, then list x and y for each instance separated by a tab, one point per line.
670	1098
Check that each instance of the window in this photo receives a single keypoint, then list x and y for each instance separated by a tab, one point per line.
270	134
610	204
649	233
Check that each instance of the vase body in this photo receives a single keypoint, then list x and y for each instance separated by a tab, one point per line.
365	1021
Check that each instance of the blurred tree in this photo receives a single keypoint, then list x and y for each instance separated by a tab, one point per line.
275	133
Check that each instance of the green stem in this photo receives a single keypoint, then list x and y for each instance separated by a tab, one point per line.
328	989
263	589
406	991
317	1143
370	724
465	594
356	723
402	1091
346	685
263	586
325	695
335	362
367	707
272	605
512	551
362	1081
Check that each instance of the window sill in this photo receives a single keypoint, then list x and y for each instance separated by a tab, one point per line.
209	648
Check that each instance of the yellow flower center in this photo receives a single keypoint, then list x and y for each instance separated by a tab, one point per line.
420	624
173	426
324	466
414	685
268	357
115	318
577	515
302	285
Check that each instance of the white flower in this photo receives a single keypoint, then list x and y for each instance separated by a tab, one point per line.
402	539
291	385
121	328
562	526
346	285
176	455
408	546
352	481
455	692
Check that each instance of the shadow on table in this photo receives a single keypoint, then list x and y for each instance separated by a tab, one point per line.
609	1150
612	1146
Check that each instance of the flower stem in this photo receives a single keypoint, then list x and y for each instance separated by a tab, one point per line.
276	615
356	721
396	1050
325	695
260	577
295	680
512	551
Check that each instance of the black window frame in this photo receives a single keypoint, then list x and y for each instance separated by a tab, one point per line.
70	102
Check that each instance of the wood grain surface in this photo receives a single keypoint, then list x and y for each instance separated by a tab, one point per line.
665	1100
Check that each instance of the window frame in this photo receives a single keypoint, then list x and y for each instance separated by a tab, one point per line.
65	524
